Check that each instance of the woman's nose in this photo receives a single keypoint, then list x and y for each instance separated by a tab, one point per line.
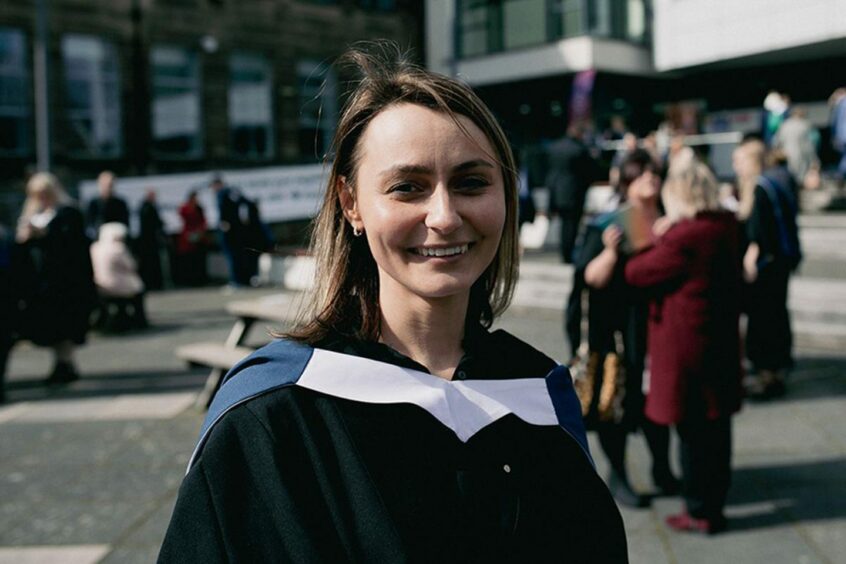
442	214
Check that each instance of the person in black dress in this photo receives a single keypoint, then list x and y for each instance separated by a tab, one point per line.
391	425
617	316
55	278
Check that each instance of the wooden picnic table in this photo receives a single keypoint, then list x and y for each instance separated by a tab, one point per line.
276	309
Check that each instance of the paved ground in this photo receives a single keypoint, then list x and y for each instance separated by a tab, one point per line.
89	473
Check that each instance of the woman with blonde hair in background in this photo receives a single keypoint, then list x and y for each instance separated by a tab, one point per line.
56	278
692	277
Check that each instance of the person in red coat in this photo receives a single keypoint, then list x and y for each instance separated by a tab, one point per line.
191	244
693	275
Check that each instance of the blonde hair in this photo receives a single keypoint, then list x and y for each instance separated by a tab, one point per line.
690	188
40	183
753	151
345	297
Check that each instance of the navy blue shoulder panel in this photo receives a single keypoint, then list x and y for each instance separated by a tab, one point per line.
567	406
279	364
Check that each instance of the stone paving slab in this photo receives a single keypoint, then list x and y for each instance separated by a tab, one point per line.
84	554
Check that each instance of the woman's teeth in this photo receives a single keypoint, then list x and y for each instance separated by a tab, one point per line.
442	252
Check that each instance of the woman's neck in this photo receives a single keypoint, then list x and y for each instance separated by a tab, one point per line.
429	331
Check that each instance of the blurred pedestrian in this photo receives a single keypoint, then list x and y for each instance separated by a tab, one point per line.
105	208
151	243
116	276
616	324
236	224
795	138
837	101
692	274
7	304
776	110
628	145
192	243
571	172
773	251
56	268
385	426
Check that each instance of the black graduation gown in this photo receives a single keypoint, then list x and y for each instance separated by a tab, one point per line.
333	465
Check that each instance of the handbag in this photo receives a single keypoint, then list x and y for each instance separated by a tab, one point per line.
599	378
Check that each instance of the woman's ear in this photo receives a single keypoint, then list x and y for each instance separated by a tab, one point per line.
346	196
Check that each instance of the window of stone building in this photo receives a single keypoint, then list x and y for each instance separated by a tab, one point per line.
250	106
318	111
380	5
176	102
15	103
92	109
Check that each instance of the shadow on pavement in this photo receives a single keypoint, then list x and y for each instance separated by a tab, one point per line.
816	377
769	496
104	385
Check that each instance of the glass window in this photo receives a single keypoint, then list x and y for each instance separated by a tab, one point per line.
636	21
176	102
318	108
480	27
599	17
250	106
15	103
92	108
524	23
572	18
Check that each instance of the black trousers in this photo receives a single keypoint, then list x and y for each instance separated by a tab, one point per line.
570	219
769	338
706	465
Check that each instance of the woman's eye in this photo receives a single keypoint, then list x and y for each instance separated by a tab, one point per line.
471	183
403	188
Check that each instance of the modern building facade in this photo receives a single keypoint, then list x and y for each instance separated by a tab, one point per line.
535	61
161	86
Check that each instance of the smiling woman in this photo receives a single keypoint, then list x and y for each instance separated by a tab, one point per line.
391	425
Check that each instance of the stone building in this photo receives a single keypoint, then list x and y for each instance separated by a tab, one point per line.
162	86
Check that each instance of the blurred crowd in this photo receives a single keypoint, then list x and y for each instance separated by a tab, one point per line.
679	301
64	272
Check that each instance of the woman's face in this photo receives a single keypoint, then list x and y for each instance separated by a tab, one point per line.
744	164
430	201
645	187
44	199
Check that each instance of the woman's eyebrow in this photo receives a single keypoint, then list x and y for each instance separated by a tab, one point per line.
422	169
472	164
405	169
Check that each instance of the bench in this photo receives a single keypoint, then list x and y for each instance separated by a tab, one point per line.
276	310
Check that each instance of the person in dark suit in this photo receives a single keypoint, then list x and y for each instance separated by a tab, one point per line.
693	277
570	173
106	208
151	241
233	219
